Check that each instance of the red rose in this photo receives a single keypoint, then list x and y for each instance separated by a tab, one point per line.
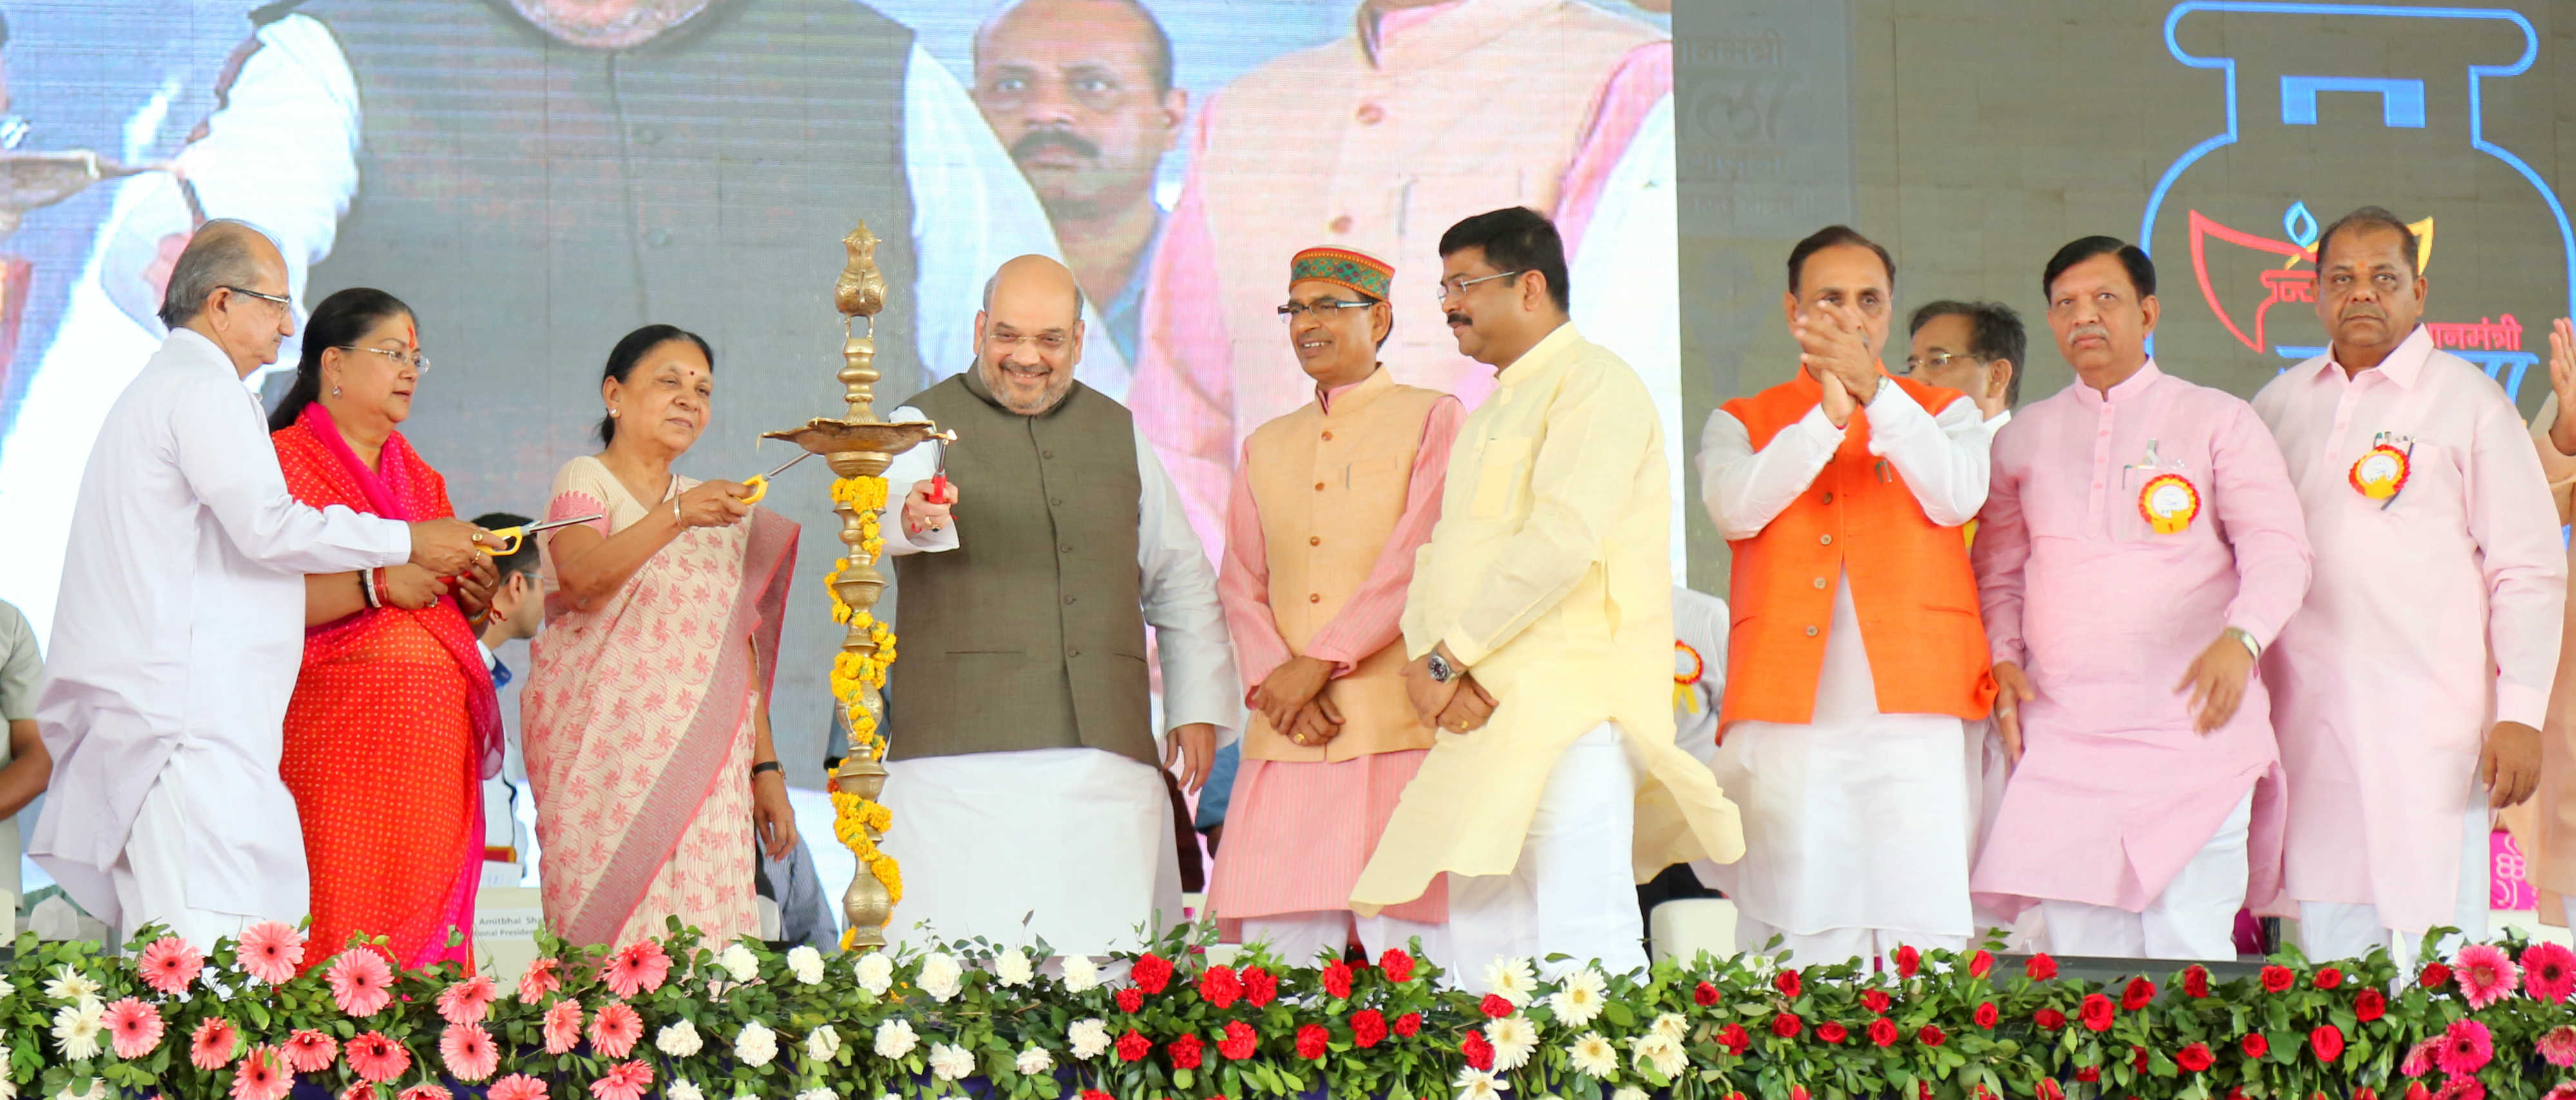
1704	995
1187	1052
2194	1058
2329	978
1495	1006
2255	1045
1312	1039
1397	965
1908	960
2140	994
1240	1041
2415	1090
1151	973
1094	1094
1787	1025
2048	1019
2435	976
1368	1027
1220	988
2195	981
2370	1005
2326	1042
1987	1014
1930	1036
1260	987
1337	980
2040	968
2138	1058
2089	1074
1477	1051
2097	1012
1735	1039
1875	1000
1786	983
2046	1089
1133	1047
2277	979
1408	1025
1832	1032
1980	964
1882	1032
1130	999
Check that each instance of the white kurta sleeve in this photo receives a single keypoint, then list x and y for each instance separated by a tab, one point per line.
1944	459
1179	588
232	467
915	465
1744	489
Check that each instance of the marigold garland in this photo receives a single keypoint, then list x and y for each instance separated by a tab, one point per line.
856	678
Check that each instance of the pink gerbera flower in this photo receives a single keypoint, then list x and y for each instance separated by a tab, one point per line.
624	1081
2558	1047
2486	975
2566	1090
359	1091
310	1051
361	982
424	1092
562	1026
2549	972
468	1001
211	1048
170	964
469	1052
260	1077
641	966
135	1027
376	1059
615	1029
270	951
544	976
2464	1048
517	1086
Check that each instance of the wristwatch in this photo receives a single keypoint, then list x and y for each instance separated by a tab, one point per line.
2246	639
1441	670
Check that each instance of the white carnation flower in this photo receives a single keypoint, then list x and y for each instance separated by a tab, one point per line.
1579	1001
940	977
816	1094
806	963
1632	1092
1035	1061
1514	1039
1012	968
680	1040
1672	1026
1661	1051
822	1043
1593	1055
1081	975
684	1089
77	1028
876	973
1476	1084
949	1063
895	1038
8	989
1512	979
1088	1037
68	984
738	962
756	1045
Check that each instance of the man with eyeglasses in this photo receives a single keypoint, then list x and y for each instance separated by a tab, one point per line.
1856	654
1031	556
1540	622
1330	504
180	626
1975	348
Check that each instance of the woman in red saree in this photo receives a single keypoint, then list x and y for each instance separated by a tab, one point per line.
393	726
645	720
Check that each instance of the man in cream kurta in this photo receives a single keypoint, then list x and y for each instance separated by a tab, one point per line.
1540	620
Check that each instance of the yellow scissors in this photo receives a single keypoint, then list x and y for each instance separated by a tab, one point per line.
759	483
510	536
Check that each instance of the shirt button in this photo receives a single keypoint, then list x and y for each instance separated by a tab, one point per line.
1046	454
1070	599
1057	502
1811	632
1319	486
658	238
1829	498
1820	582
2097	485
1314	597
1065	549
1825	540
1314	540
1328	435
1077	652
1371	114
647	135
1341	224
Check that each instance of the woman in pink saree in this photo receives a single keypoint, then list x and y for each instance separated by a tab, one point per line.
645	718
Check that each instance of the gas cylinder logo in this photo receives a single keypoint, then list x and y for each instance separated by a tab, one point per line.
2251	248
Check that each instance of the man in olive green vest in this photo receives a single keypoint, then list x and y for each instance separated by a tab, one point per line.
1021	724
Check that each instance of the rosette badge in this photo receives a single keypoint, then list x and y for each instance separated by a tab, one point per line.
2169	503
2380	472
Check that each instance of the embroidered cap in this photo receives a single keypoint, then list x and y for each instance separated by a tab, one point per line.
1356	270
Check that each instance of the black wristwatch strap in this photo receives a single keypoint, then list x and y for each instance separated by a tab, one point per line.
766	766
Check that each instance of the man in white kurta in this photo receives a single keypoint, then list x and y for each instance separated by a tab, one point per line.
1063	834
181	623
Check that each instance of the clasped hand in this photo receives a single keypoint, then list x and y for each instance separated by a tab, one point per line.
1833	345
1292	700
1460	706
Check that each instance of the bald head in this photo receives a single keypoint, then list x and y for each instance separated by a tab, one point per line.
1028	336
222	253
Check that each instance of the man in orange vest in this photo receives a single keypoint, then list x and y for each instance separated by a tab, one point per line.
1856	652
1330	503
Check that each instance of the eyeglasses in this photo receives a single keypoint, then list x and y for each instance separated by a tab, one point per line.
418	362
1322	308
1049	341
1453	287
1936	360
281	301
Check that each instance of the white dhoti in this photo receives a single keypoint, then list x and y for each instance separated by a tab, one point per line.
1572	893
2193	918
2334	930
1072	846
151	881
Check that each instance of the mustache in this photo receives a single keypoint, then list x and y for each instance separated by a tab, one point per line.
2364	310
2082	331
1040	140
1456	318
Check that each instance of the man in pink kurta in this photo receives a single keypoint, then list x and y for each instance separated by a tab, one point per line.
2139	532
2409	691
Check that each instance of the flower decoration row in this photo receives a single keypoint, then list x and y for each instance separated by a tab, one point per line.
856	679
679	1019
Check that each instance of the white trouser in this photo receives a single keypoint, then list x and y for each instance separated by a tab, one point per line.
1572	893
2337	930
1301	938
151	880
2193	918
1835	945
